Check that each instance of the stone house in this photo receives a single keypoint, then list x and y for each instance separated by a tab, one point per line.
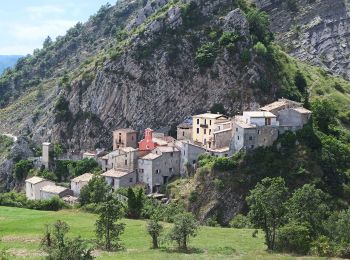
79	182
280	104
254	129
118	178
184	131
156	168
49	191
33	186
124	138
203	127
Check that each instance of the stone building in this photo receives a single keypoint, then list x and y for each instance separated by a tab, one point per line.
203	127
124	138
33	186
280	104
155	168
118	178
79	182
49	191
45	160
184	131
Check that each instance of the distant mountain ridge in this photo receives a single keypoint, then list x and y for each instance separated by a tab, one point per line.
8	61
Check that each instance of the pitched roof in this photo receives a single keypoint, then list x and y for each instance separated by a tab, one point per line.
281	103
150	156
125	130
302	110
185	126
210	115
53	189
35	180
116	173
258	114
127	149
159	141
243	124
83	178
167	149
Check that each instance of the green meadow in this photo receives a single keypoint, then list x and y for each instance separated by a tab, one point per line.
21	230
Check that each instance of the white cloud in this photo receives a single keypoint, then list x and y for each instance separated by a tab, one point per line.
39	12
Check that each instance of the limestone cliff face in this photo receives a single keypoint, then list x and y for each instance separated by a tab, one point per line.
156	81
316	31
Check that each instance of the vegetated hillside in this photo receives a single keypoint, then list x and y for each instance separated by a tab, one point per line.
7	61
22	231
317	31
148	64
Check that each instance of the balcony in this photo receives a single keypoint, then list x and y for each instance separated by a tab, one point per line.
203	125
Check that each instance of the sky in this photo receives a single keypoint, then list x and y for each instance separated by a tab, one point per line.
24	24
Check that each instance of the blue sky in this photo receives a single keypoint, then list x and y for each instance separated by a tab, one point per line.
24	24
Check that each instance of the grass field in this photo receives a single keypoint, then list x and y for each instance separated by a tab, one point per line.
20	232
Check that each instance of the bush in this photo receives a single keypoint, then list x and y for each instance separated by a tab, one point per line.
206	55
224	164
245	56
193	196
22	169
260	49
293	238
240	221
322	247
228	38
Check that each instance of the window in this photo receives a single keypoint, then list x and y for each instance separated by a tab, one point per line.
209	122
183	133
197	130
171	154
170	170
237	137
131	180
126	162
267	121
258	132
250	138
236	129
157	171
205	131
252	146
209	131
198	121
205	121
194	161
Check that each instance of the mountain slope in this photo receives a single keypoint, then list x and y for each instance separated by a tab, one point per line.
315	31
141	64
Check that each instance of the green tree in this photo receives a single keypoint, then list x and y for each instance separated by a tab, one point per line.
154	229
308	205
259	25
58	150
266	207
84	166
94	192
338	226
324	114
206	54
108	231
58	246
135	203
47	42
218	108
300	82
22	169
185	226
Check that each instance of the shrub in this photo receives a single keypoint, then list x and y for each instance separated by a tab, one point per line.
206	55
193	196
293	238
322	247
224	164
240	221
260	49
245	56
219	184
22	168
228	38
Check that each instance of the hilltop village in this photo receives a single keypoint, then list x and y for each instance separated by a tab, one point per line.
157	158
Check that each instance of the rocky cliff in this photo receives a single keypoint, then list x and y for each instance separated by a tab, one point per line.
316	31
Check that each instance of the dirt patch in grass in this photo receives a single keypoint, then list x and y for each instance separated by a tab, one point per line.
22	239
21	252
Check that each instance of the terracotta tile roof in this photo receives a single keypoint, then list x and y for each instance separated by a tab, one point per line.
116	173
302	110
150	156
35	180
53	189
258	114
126	130
83	178
280	104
